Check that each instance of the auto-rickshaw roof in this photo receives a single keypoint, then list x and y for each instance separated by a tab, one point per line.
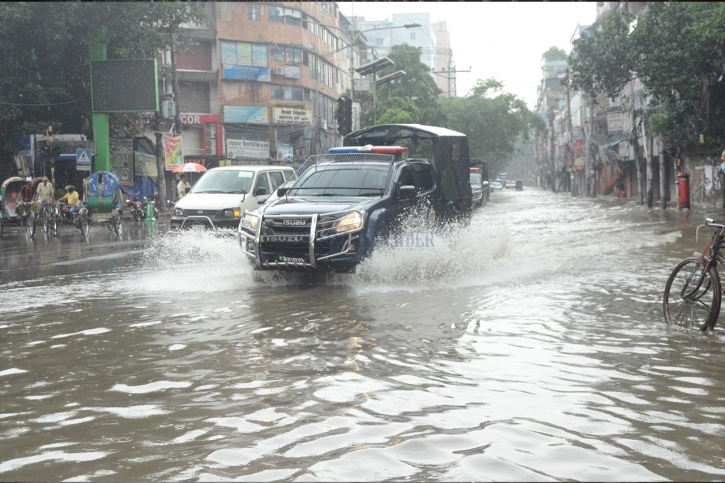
386	134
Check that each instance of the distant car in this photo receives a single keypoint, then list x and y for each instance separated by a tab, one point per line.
511	184
496	185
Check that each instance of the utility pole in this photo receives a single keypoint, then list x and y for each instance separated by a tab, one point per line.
648	152
569	128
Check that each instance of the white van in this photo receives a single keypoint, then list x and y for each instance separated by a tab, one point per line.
221	195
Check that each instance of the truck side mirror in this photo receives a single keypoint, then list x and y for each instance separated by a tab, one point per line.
260	191
406	192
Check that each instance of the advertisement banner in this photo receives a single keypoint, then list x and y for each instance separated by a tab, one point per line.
362	85
145	165
246	73
173	155
245	148
615	123
579	155
288	115
285	153
291	72
246	114
259	55
121	153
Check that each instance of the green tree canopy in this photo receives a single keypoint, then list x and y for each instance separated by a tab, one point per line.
554	53
493	121
678	52
400	110
44	51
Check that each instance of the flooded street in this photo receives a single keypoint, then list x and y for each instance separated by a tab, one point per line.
529	346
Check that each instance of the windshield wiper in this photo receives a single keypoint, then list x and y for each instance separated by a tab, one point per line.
213	190
241	192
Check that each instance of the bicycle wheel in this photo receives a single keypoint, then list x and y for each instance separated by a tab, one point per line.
30	224
45	218
53	224
692	298
117	223
2	225
84	222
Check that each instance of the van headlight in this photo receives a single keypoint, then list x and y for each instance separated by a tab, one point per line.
234	212
178	212
250	221
350	222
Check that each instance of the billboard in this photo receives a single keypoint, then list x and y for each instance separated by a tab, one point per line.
615	123
246	114
121	151
288	115
124	86
245	148
244	61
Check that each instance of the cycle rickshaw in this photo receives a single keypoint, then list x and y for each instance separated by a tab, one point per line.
12	210
101	206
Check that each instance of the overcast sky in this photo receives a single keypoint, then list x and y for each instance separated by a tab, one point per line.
501	40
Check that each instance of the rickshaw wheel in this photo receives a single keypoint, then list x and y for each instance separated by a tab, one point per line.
84	222
30	225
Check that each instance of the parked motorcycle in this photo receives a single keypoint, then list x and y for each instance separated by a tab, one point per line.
138	209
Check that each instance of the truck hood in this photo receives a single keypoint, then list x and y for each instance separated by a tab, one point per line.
300	205
209	201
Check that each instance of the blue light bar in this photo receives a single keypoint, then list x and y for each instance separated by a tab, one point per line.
346	150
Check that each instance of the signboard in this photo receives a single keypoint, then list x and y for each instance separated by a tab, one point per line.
291	72
173	152
615	123
83	159
121	160
124	86
246	114
362	85
285	153
246	73
245	148
145	164
244	61
288	115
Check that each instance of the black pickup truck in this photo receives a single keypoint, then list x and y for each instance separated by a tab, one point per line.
351	200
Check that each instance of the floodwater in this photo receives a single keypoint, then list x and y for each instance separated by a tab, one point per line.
529	346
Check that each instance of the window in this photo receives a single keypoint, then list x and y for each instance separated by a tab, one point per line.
308	95
379	41
423	180
276	178
276	14
287	93
254	93
276	53
288	175
292	17
253	11
412	36
405	178
262	182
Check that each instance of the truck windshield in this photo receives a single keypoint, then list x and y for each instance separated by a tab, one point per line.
475	179
224	181
343	180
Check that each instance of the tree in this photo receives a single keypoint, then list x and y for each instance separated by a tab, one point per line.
554	53
678	52
44	46
493	121
400	110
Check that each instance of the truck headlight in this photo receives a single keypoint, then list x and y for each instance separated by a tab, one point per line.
250	221
234	212
178	212
350	222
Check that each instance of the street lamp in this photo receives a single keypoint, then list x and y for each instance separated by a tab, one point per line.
372	68
390	78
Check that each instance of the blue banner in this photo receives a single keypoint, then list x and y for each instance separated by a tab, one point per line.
246	114
246	73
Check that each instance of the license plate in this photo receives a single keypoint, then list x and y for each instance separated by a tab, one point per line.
199	227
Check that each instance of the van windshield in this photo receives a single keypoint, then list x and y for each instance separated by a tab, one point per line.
224	181
475	179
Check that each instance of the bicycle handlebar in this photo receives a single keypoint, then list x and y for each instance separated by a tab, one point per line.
710	222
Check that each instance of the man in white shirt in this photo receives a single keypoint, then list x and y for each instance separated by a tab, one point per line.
182	186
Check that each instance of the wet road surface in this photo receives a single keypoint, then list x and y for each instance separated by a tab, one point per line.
529	346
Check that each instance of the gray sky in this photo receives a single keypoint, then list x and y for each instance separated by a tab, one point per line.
501	40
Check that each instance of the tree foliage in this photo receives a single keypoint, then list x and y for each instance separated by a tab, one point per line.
44	51
493	121
678	52
554	53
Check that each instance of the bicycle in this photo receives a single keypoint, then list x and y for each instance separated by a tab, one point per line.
28	217
45	214
693	292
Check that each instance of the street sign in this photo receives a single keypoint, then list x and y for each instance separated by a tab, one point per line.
83	167
83	158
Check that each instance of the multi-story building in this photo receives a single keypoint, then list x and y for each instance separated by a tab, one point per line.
259	83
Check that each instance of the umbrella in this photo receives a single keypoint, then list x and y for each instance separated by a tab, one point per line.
190	168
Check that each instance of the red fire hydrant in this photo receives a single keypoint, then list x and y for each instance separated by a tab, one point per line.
683	190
